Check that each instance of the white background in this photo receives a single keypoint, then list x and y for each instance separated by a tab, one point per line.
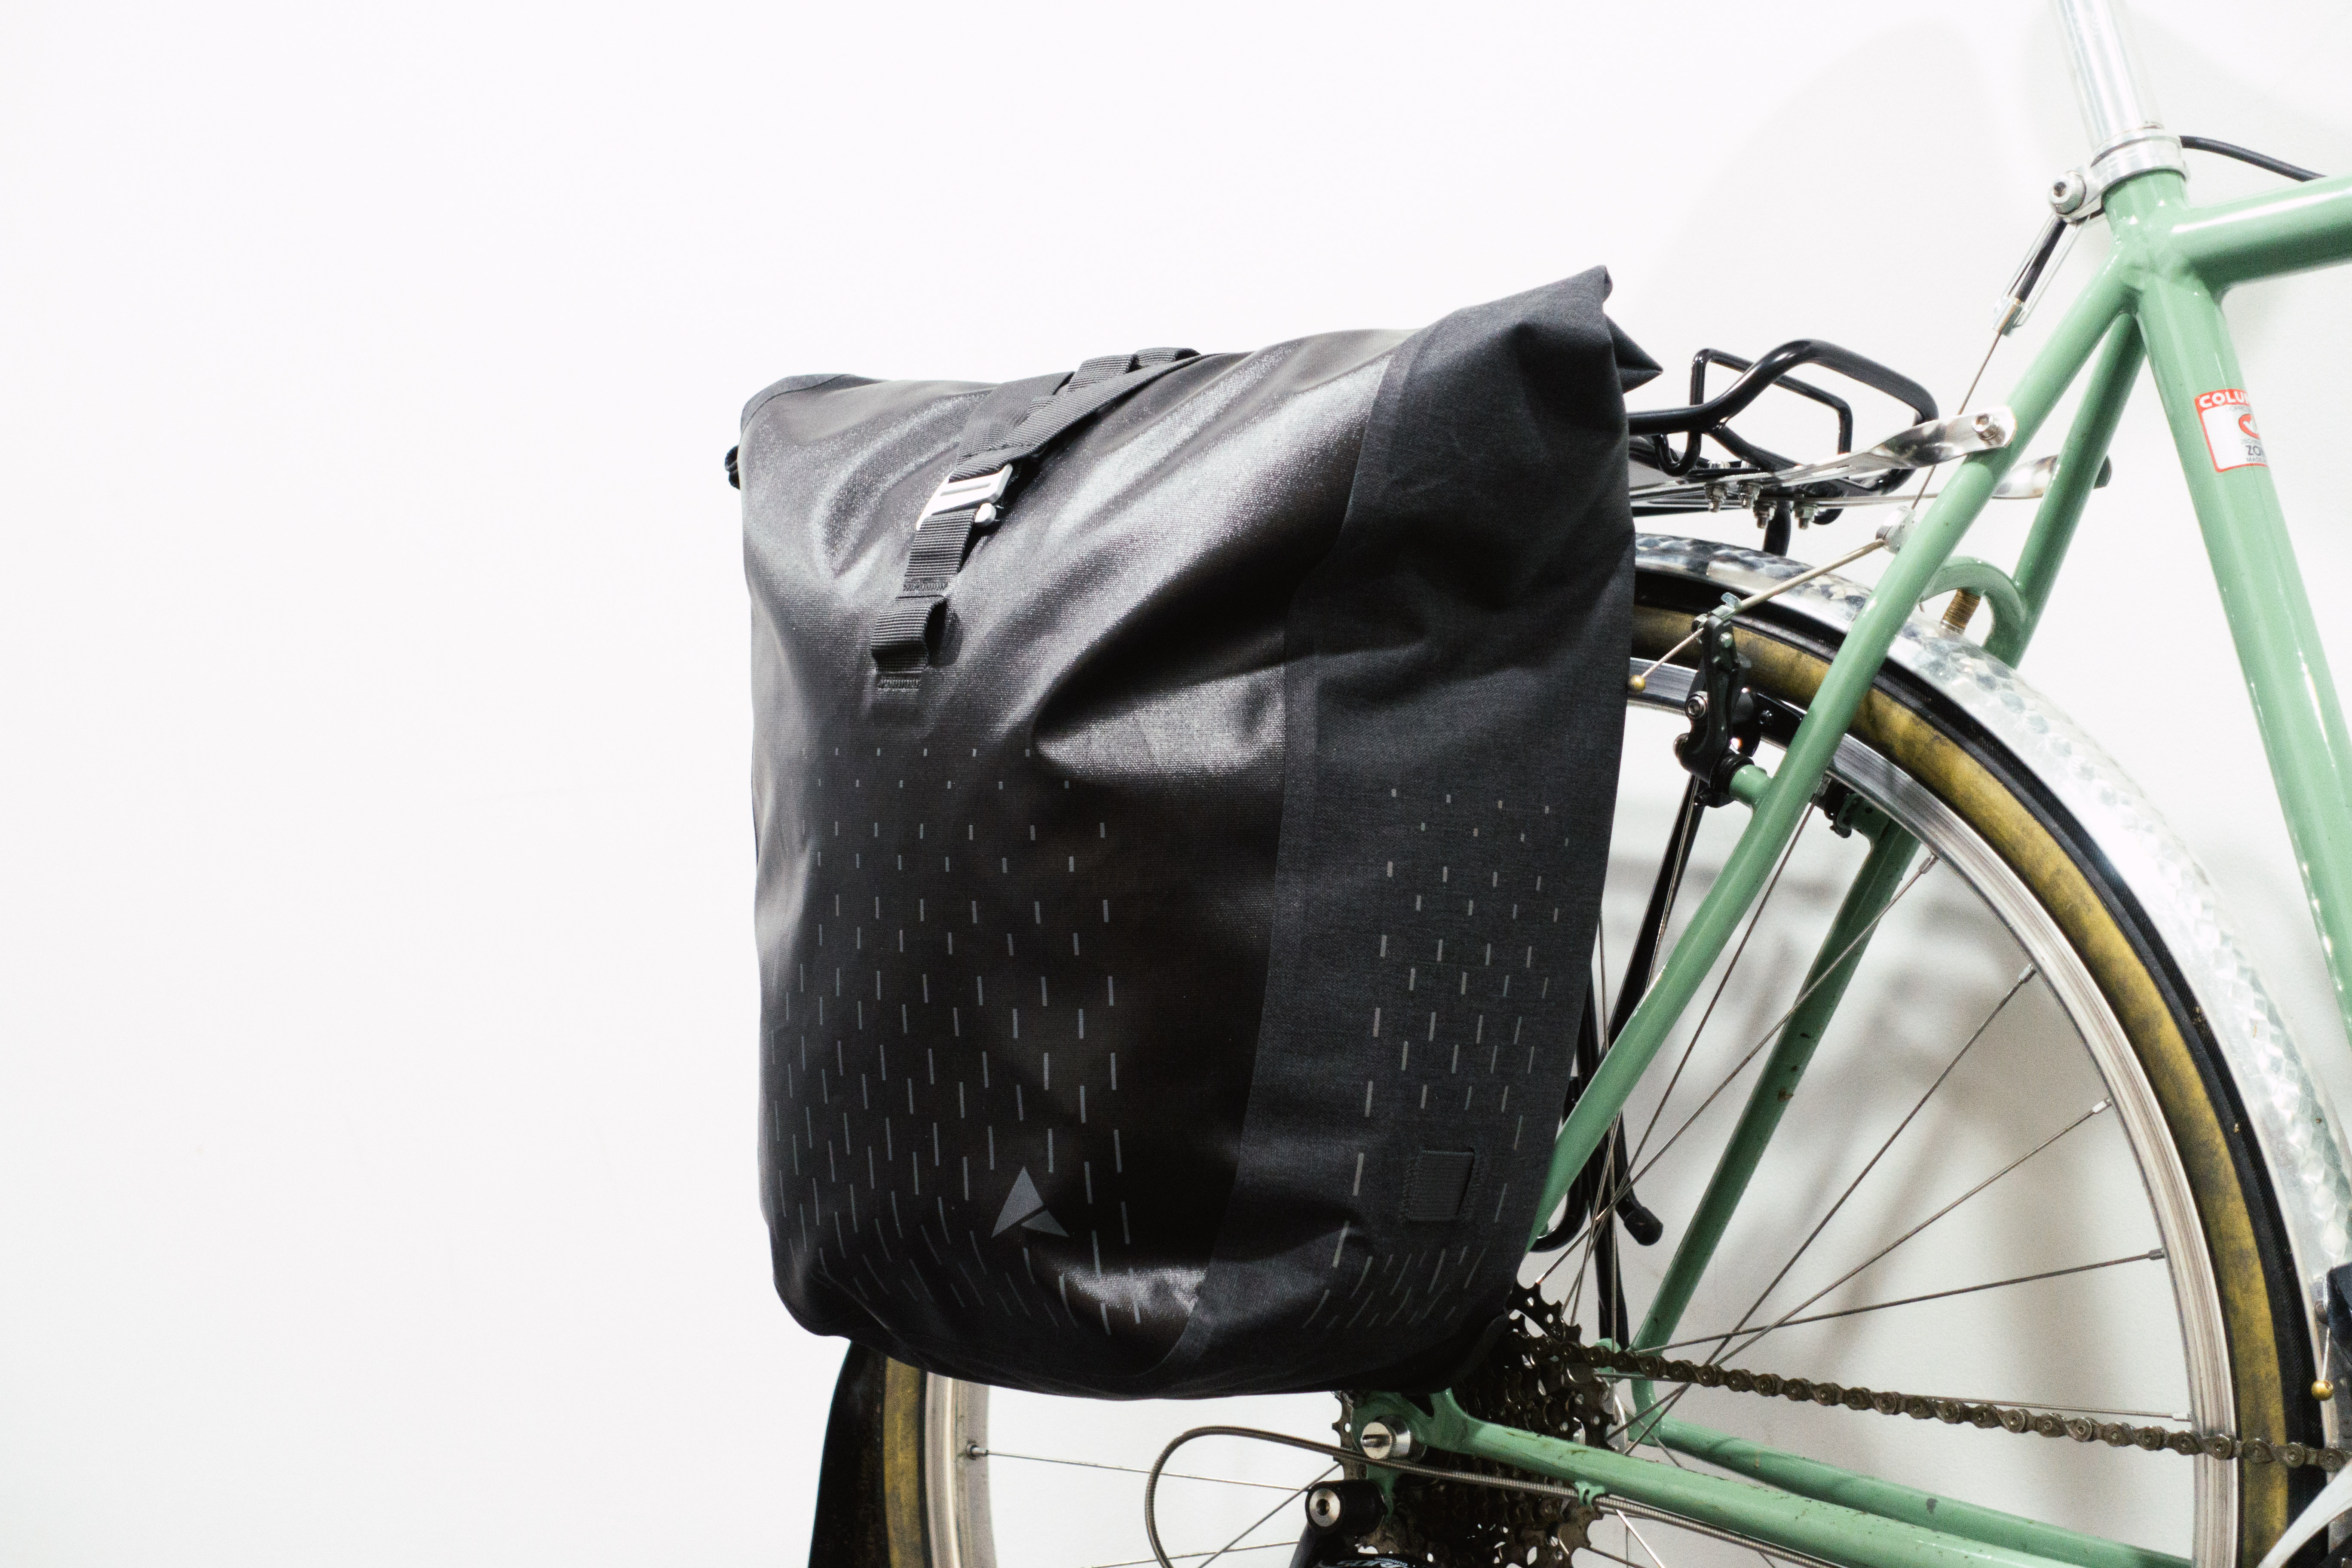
376	991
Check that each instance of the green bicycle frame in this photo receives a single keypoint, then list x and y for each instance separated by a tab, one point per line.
2159	288
2158	296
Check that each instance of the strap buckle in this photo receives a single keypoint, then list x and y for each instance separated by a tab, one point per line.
980	493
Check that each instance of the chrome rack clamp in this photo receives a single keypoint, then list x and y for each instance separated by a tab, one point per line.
1920	447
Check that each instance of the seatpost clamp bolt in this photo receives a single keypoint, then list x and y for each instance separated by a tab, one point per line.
2067	190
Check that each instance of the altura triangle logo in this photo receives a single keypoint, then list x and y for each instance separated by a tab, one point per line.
1024	1209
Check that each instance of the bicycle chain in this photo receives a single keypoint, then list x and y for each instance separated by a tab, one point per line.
1555	1347
1543	1378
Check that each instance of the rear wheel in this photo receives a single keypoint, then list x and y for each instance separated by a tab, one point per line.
2016	1170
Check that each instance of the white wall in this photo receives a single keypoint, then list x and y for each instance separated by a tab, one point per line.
376	994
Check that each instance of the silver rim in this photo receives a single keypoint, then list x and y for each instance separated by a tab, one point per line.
955	1446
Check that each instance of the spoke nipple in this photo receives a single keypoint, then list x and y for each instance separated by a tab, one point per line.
2323	1389
1639	683
2101	1106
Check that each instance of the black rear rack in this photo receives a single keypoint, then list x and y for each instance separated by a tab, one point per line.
1708	419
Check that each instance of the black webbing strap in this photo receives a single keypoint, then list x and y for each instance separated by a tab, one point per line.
973	498
1097	384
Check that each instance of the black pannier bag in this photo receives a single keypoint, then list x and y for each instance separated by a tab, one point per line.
1182	790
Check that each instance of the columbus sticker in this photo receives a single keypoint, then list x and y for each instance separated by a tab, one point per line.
2229	433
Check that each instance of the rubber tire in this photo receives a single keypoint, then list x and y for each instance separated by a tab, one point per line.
1931	740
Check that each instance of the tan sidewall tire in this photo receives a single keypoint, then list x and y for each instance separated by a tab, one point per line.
2208	1145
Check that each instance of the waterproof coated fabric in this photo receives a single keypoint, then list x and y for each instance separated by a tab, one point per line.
1170	989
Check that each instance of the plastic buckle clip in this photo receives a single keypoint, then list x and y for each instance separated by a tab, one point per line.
981	493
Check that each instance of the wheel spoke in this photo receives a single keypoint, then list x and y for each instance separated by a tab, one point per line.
1189	1556
1765	1039
1758	1333
2152	1256
1603	1552
1871	1164
1648	1417
1676	1461
1771	1556
1592	1231
1129	1470
1632	1531
1608	1020
1754	918
1261	1519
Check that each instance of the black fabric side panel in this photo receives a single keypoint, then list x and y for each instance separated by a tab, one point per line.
1454	706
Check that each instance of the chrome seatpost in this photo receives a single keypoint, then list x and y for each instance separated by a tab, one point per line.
2126	135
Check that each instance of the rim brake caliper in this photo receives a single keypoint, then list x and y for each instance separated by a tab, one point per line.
1726	719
